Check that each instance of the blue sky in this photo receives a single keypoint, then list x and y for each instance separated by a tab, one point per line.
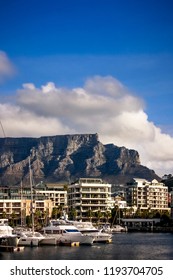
70	42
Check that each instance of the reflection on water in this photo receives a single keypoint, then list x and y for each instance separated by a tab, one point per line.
125	246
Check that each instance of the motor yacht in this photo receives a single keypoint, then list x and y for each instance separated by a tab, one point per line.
88	229
64	232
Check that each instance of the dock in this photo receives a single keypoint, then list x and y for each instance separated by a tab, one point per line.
6	248
67	243
107	241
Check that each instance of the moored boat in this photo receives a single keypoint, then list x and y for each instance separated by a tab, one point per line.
7	238
28	238
118	228
88	229
33	238
66	233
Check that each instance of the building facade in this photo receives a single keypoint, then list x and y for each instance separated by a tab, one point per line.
171	204
54	192
143	194
90	198
17	202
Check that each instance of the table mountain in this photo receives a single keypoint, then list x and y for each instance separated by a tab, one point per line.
65	158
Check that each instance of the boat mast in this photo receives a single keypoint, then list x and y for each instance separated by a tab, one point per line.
21	197
2	129
30	177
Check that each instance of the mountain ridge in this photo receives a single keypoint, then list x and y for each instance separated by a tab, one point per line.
65	158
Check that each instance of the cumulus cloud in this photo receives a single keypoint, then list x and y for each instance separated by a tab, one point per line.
102	105
19	122
6	67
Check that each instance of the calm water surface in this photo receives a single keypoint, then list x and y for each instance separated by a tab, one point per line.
125	246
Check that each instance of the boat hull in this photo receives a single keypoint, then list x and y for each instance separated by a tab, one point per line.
32	242
118	228
48	241
82	239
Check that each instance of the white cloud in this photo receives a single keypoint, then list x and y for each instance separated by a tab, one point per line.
103	105
19	122
6	67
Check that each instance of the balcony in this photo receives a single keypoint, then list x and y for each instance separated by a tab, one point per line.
95	204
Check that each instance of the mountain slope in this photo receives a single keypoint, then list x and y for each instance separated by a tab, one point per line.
66	158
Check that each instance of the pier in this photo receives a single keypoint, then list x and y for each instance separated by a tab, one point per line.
67	243
6	248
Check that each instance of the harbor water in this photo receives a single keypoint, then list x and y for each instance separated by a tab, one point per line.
124	246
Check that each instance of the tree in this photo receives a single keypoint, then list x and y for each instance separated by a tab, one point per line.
65	187
13	219
46	217
73	214
99	215
145	213
138	213
107	215
55	213
28	221
38	216
4	215
165	218
124	212
90	214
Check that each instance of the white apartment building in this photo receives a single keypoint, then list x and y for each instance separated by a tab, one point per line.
54	192
147	195
90	198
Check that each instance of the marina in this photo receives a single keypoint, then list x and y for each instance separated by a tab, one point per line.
124	246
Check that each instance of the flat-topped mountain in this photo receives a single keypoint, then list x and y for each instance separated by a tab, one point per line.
65	158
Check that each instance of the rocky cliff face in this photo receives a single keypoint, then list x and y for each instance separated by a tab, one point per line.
66	158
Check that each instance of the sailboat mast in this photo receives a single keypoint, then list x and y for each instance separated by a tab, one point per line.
119	215
2	129
21	197
32	212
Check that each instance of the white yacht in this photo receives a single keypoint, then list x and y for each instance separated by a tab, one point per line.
27	237
6	234
115	228
64	232
87	228
118	228
5	229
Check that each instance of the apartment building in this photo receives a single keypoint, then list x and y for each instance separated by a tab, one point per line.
19	209
171	203
91	199
17	202
147	195
54	192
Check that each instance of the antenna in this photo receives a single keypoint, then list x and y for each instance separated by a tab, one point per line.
2	129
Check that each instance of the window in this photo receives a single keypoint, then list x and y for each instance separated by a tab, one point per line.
71	230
